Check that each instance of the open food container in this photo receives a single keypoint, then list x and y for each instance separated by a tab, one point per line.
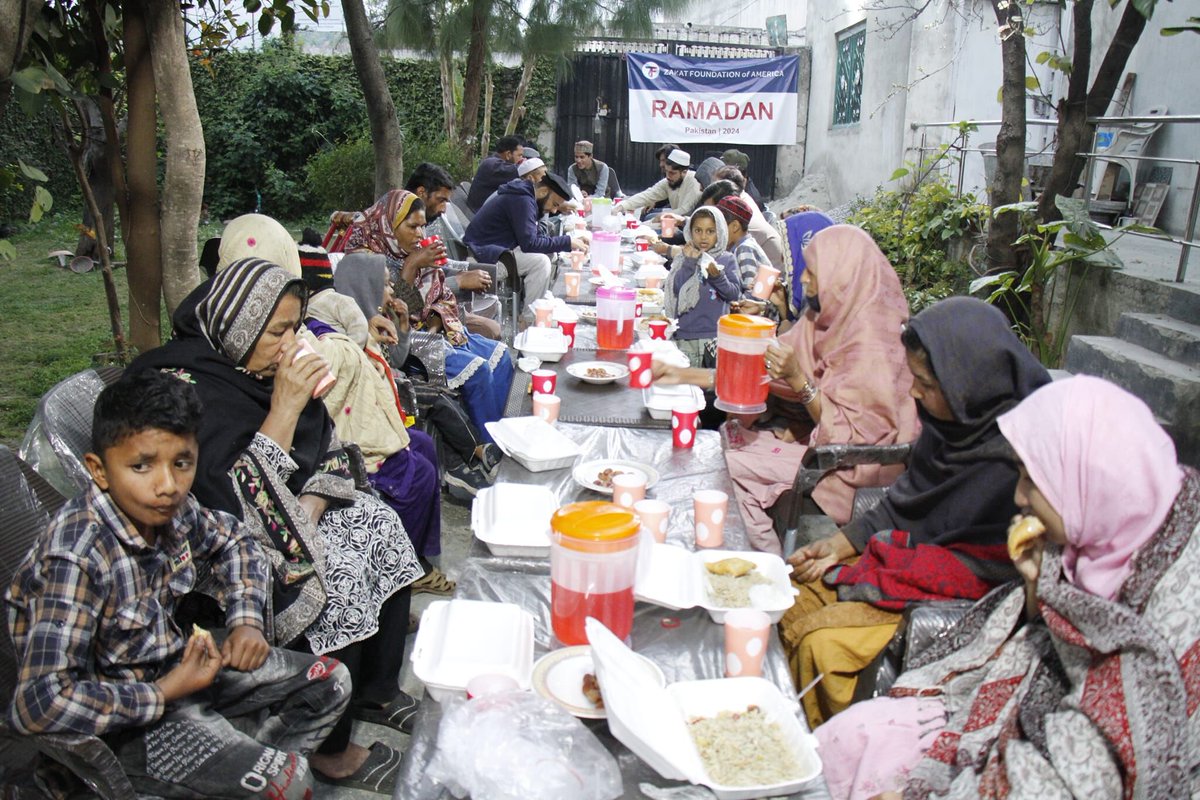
513	519
654	722
675	578
535	444
548	344
659	400
460	639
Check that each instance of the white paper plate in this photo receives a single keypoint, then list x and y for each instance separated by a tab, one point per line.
558	676
585	473
597	281
613	370
587	315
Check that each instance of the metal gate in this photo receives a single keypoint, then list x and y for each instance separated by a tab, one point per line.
593	104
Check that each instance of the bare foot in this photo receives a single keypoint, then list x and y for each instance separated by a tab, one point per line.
339	765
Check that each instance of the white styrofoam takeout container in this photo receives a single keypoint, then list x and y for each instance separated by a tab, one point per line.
513	519
675	578
653	722
659	400
535	444
459	639
548	344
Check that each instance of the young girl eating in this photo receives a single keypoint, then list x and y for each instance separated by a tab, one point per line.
703	282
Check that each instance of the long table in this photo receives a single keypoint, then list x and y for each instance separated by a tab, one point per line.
687	645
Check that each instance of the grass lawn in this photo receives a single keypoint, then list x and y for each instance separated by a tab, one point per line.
52	320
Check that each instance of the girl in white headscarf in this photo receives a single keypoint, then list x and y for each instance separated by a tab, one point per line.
703	282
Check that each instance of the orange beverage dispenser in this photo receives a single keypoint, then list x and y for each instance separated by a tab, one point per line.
593	562
742	341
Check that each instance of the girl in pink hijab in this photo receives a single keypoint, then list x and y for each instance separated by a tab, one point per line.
839	377
1083	681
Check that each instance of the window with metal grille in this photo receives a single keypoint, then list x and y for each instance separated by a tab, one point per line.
847	98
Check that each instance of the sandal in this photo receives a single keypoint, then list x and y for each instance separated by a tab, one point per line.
434	582
400	714
377	774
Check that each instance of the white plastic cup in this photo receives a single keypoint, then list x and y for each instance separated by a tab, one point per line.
303	348
546	406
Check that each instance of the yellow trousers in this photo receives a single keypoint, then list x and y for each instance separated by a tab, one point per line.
824	636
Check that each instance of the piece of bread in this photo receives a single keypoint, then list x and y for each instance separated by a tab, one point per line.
1022	533
198	631
735	567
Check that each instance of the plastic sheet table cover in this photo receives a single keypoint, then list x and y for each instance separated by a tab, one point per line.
687	645
682	472
588	403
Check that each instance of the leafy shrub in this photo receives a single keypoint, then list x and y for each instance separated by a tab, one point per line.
918	230
342	177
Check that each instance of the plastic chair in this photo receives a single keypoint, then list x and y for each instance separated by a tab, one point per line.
1126	142
26	503
61	431
459	199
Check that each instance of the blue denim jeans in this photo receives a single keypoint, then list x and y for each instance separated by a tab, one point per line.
245	736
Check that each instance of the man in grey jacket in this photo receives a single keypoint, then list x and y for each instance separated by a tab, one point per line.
679	188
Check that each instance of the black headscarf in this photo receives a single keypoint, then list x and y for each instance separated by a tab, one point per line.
216	329
957	488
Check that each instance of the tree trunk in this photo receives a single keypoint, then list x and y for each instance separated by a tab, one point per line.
449	108
468	129
183	184
518	109
95	164
138	200
1010	140
1074	133
76	153
485	138
381	111
19	17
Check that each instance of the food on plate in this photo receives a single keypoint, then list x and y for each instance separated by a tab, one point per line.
597	372
736	567
1022	533
733	591
591	690
743	748
605	477
645	295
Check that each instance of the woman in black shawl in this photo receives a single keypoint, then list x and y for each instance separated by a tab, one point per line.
341	560
940	531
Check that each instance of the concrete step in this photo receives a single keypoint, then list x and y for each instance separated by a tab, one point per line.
1171	389
1173	338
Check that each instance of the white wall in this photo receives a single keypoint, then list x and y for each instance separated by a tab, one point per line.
1166	76
741	15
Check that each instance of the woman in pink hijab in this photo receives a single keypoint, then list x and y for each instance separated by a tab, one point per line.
839	377
1083	681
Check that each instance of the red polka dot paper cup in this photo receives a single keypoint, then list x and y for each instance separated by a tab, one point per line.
709	507
544	380
568	330
639	362
685	420
746	633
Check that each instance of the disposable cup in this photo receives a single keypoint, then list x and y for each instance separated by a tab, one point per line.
653	283
544	380
628	488
710	507
637	310
654	516
658	328
764	282
572	280
542	312
668	226
545	406
568	330
577	257
746	633
303	348
685	419
639	362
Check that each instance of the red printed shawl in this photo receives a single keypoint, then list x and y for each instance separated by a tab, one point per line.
1095	700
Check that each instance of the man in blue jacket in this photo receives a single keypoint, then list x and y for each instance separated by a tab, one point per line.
508	221
496	170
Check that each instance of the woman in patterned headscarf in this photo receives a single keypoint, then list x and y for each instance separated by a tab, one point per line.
1081	680
342	562
480	367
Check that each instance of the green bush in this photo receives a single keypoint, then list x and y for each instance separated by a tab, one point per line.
342	177
918	231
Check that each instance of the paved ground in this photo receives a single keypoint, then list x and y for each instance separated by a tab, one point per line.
456	539
1157	259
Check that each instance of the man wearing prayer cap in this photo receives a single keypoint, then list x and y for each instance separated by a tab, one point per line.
679	188
594	178
531	169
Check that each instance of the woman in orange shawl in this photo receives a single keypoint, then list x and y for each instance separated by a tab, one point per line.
839	377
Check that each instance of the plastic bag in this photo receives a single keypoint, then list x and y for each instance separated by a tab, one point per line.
521	746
